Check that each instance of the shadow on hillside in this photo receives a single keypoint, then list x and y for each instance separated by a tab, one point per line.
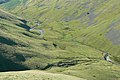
8	65
11	61
7	41
4	1
23	24
3	17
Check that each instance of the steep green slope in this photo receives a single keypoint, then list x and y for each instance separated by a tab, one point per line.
93	23
76	33
21	49
11	4
4	1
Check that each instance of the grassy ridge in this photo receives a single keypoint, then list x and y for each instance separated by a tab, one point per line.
35	75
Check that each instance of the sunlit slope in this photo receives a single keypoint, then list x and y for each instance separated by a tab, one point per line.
11	4
76	33
35	75
94	23
29	49
21	49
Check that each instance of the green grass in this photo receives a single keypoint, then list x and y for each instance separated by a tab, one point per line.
35	75
77	42
13	4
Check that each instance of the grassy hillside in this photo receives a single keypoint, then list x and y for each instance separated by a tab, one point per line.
75	35
11	4
94	23
35	75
